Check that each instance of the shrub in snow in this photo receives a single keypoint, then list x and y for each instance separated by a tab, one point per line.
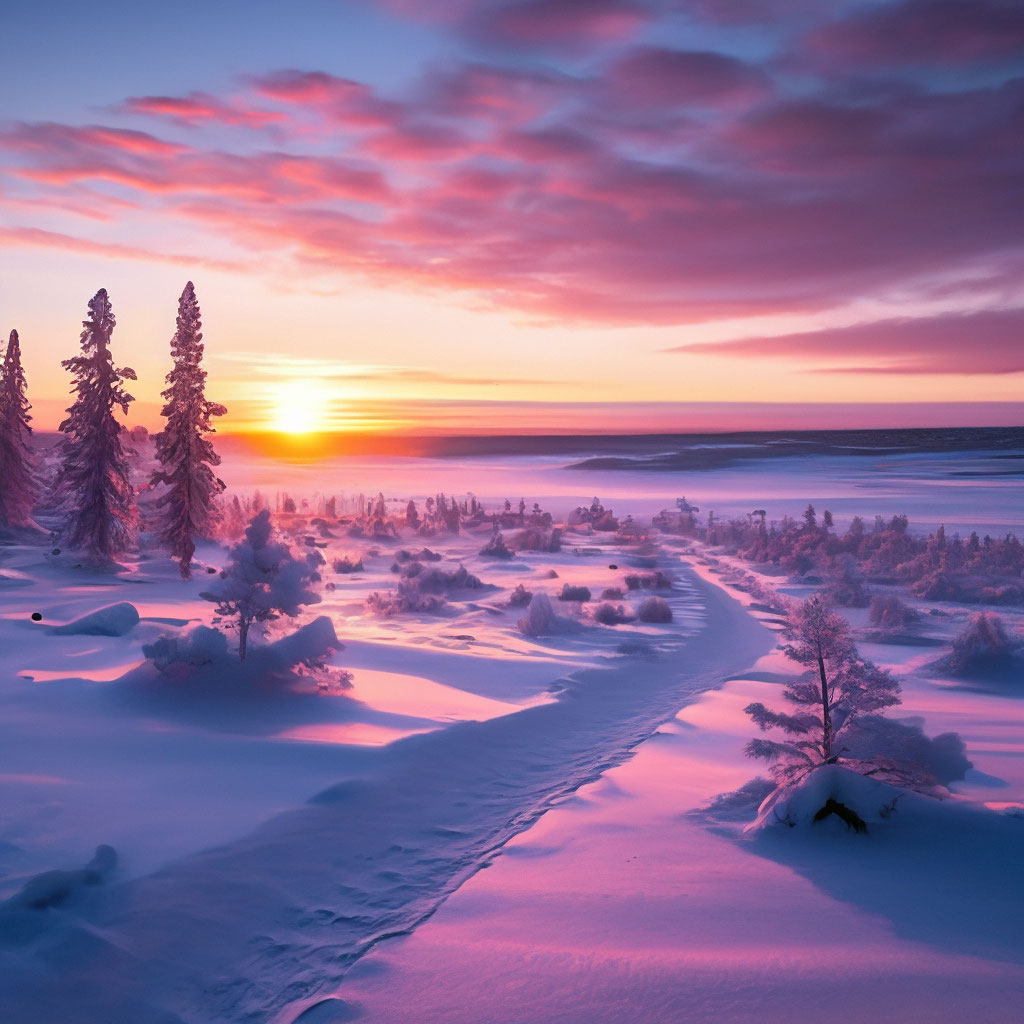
838	689
406	597
495	548
111	620
93	483
520	597
901	753
187	506
611	614
345	564
540	617
199	646
654	609
612	594
535	539
440	581
551	575
648	581
20	487
983	647
262	580
571	593
887	611
423	555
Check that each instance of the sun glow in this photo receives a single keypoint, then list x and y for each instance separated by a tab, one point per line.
300	407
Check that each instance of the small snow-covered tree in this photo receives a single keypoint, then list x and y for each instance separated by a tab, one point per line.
838	688
187	508
263	580
93	482
18	485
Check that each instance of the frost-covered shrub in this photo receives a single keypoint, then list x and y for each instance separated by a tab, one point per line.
900	752
571	593
887	611
520	597
440	581
540	617
406	597
982	647
648	581
347	564
612	594
199	646
536	539
611	615
495	548
936	586
654	609
423	555
551	575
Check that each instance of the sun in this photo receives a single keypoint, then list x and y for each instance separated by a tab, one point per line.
299	407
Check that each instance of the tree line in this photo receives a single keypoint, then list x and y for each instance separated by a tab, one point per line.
92	491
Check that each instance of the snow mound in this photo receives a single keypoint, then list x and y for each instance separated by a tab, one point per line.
112	620
199	662
28	910
829	796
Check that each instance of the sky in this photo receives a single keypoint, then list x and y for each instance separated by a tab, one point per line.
509	215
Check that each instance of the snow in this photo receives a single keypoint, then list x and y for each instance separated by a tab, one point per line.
111	620
272	838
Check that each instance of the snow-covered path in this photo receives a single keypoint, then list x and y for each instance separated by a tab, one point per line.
256	929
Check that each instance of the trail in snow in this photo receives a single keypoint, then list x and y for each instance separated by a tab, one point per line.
255	929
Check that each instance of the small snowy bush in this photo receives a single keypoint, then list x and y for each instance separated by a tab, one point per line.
346	564
887	611
571	593
654	609
982	647
495	548
520	597
199	646
648	581
540	617
611	615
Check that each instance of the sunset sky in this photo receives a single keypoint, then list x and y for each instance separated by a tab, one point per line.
532	214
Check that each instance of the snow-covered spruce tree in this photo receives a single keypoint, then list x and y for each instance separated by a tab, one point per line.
18	485
93	482
838	689
263	580
187	508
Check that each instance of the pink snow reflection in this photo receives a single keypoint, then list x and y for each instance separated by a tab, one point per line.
363	734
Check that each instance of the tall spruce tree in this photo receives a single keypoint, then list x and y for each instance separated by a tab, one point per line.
18	485
93	482
187	508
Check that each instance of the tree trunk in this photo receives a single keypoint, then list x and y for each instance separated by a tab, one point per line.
243	634
826	713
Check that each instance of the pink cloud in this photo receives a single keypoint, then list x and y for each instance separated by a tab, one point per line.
38	238
917	32
989	341
652	77
588	197
199	107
